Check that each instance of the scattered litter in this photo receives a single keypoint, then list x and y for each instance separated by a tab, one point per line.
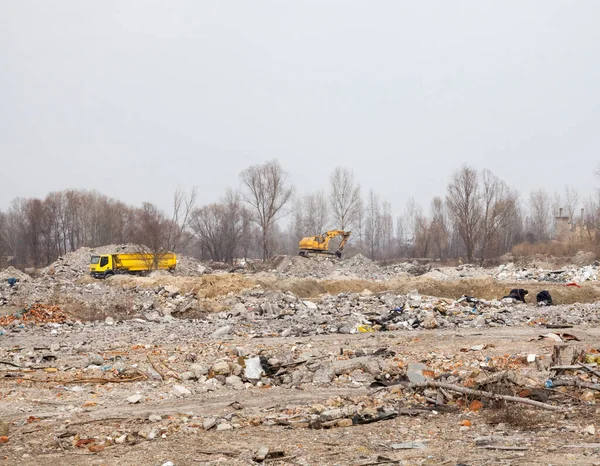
134	398
408	446
557	337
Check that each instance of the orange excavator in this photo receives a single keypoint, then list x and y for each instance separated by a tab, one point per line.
320	244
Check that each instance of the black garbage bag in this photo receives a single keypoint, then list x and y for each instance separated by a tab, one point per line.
518	294
544	299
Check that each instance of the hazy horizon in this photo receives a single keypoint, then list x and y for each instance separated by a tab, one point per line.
134	99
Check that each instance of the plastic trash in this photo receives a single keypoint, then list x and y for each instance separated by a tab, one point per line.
253	369
365	329
518	294
592	358
468	299
548	383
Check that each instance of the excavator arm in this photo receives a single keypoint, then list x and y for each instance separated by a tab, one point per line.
345	237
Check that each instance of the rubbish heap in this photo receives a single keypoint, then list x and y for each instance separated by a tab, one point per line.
36	314
509	272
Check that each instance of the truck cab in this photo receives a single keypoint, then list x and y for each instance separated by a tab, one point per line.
101	266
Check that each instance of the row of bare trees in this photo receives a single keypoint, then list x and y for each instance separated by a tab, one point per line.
37	231
479	217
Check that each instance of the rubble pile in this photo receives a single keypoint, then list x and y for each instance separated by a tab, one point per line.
286	314
77	263
316	266
261	312
206	367
190	267
410	268
11	272
331	268
36	314
510	272
101	298
359	266
196	368
137	369
456	273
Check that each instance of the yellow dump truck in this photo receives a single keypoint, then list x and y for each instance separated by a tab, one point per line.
103	265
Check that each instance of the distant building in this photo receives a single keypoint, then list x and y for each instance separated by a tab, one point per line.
569	229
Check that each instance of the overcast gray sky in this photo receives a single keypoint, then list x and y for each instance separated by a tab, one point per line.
133	98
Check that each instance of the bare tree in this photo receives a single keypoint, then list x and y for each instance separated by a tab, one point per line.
540	216
207	225
359	224
183	205
152	232
591	225
400	238
464	205
417	226
421	235
345	198
5	248
411	211
499	203
297	226
235	224
316	214
267	192
221	227
310	216
387	230
373	225
439	229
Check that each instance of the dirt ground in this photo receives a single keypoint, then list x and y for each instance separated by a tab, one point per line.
114	392
215	286
43	415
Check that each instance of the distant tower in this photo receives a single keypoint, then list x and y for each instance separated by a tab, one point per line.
563	226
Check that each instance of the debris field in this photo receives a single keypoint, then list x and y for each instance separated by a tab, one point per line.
304	361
